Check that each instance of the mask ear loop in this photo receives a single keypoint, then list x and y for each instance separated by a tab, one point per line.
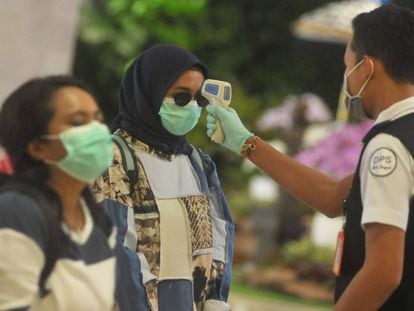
369	78
347	74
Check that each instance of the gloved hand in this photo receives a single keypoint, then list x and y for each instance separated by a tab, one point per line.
235	134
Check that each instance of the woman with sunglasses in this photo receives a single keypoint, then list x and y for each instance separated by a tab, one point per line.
174	226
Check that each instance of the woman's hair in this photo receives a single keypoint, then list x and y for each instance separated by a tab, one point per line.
25	116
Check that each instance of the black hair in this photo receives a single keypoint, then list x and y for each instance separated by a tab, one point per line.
25	116
387	33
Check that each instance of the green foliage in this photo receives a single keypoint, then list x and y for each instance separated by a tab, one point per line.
118	21
306	250
310	261
114	32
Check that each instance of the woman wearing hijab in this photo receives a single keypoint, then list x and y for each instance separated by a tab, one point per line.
175	230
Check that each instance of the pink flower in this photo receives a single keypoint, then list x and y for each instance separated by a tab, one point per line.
307	107
338	153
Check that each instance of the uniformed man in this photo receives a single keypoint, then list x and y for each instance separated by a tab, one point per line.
375	254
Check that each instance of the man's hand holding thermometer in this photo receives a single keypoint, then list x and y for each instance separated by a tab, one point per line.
223	123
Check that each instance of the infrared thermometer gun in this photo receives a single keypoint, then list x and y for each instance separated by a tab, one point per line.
219	93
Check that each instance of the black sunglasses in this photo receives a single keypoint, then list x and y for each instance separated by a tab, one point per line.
183	98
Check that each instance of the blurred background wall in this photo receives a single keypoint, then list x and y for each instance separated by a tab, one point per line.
37	37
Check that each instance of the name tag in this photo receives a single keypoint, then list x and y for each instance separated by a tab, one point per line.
336	269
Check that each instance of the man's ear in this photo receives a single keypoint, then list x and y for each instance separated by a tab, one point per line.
368	65
37	149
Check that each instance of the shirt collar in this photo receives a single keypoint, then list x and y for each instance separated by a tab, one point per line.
397	110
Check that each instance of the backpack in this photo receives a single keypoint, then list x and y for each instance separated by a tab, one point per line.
50	213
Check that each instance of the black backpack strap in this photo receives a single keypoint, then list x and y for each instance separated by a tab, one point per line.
128	160
50	213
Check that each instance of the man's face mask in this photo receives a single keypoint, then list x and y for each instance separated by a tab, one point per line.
179	120
354	103
89	151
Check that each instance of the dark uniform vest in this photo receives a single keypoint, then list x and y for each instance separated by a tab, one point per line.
354	246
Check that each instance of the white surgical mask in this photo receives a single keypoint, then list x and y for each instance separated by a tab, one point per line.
179	120
354	103
89	151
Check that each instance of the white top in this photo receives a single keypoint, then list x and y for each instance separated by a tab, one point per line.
83	277
387	174
170	178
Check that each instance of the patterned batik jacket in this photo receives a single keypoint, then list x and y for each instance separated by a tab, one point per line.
175	230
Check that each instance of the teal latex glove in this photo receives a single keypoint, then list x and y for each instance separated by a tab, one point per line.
235	134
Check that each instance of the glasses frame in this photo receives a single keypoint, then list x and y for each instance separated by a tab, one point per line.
183	98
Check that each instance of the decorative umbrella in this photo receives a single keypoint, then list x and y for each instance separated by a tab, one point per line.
332	22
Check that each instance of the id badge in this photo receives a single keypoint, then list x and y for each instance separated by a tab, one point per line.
336	269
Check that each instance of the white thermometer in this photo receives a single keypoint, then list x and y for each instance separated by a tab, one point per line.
219	93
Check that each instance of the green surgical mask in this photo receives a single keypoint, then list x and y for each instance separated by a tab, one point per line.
89	151
179	120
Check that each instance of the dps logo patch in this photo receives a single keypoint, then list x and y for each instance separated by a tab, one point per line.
383	162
